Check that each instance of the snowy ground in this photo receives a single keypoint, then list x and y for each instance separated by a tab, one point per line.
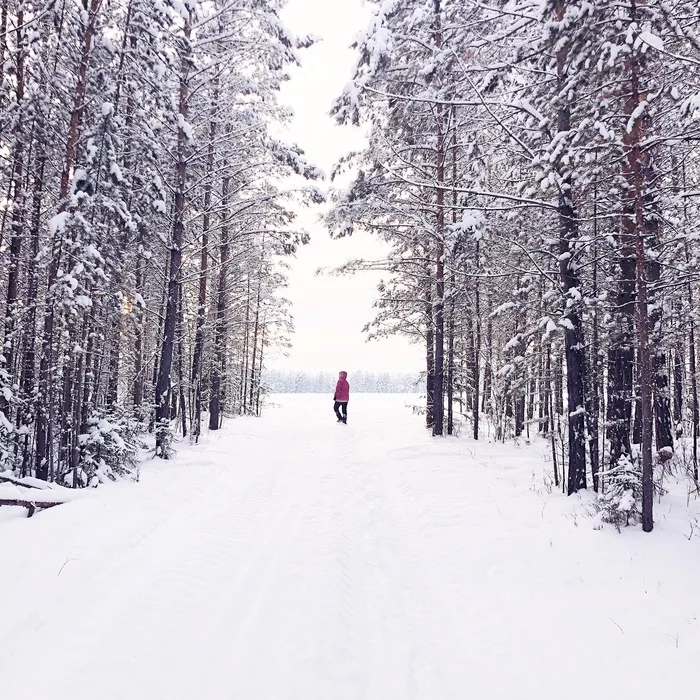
291	558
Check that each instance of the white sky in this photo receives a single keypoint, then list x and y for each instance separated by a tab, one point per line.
329	312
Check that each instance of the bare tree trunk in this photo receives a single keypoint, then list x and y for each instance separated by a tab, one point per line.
692	369
439	301
574	342
246	351
203	277
635	170
645	384
429	361
550	413
450	370
691	342
486	400
694	395
219	363
180	362
29	338
253	360
139	368
593	397
477	349
163	384
260	371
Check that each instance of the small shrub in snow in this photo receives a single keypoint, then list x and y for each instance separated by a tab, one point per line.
7	431
164	439
622	492
7	456
109	449
621	501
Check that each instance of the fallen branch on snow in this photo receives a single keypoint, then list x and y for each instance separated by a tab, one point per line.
31	506
17	482
28	494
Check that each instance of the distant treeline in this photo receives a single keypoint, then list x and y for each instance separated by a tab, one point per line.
324	382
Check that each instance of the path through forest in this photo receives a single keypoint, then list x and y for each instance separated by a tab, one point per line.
291	558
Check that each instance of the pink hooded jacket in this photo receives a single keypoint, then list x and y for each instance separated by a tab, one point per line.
342	388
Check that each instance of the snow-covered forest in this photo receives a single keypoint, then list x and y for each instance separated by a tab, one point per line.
147	208
533	168
192	505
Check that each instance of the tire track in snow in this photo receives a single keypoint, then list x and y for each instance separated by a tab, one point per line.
178	563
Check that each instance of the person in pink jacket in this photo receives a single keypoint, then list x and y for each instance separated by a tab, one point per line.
341	397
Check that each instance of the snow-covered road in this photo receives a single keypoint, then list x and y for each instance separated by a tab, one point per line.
291	558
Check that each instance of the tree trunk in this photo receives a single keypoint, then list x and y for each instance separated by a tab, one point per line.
439	301
163	383
254	380
139	368
429	361
635	169
450	371
29	338
219	363
196	377
246	351
593	396
477	343
574	342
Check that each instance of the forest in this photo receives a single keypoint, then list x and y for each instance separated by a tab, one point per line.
531	167
486	213
148	205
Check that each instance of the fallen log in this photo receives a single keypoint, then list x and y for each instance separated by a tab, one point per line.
31	506
17	482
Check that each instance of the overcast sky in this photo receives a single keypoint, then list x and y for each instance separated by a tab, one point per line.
329	312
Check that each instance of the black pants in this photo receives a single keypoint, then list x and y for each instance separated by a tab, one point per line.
344	406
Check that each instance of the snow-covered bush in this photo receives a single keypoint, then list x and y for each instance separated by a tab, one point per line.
7	459
621	500
109	449
7	430
164	439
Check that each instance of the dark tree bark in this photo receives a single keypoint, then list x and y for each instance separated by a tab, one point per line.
163	383
182	404
593	396
662	400
678	363
439	301
641	224
246	351
429	360
574	341
219	363
621	352
254	354
29	338
477	343
198	353
139	368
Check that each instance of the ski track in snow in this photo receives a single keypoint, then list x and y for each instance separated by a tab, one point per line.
290	558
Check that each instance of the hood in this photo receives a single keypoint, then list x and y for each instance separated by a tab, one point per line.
343	375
